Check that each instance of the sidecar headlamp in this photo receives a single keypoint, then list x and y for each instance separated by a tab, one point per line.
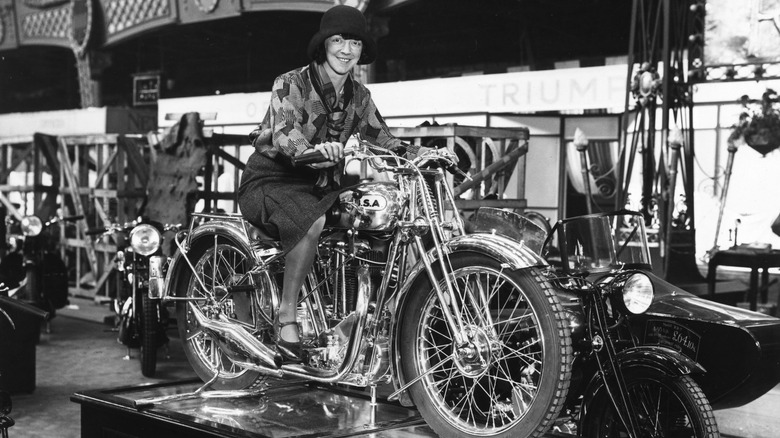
637	291
145	239
31	226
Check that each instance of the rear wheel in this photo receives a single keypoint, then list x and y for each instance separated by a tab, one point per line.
664	406
218	266
511	376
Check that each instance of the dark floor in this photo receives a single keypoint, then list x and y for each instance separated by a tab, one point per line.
81	353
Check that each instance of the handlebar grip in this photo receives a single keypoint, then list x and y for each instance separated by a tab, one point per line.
73	218
23	307
309	158
95	231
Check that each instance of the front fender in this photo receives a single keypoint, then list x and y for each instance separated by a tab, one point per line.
511	253
652	357
200	235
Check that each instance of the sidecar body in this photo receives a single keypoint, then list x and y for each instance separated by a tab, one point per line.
739	349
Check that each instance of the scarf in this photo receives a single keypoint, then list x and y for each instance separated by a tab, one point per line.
335	111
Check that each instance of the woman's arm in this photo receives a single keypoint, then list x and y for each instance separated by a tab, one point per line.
286	115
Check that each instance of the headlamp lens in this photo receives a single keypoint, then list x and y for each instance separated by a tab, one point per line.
145	239
31	226
638	293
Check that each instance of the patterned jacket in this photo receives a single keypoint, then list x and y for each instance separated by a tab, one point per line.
297	117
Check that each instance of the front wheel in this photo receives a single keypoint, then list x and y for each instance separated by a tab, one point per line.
511	376
664	406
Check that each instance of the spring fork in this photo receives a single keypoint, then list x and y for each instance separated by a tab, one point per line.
450	306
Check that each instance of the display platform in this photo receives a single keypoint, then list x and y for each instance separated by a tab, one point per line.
282	409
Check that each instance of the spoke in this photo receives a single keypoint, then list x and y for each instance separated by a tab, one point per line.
519	354
513	319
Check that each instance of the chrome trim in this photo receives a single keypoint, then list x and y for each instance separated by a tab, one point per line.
227	226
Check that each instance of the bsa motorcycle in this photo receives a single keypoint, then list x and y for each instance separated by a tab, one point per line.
141	320
464	325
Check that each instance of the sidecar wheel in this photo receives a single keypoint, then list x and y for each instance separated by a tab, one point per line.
218	265
149	336
512	376
665	406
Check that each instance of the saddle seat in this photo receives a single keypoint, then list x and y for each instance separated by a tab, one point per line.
260	238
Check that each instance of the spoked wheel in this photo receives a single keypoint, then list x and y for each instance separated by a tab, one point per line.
150	324
511	376
219	266
664	406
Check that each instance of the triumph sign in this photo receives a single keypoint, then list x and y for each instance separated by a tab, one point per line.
521	92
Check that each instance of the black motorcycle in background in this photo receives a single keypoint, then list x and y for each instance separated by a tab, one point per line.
141	321
32	267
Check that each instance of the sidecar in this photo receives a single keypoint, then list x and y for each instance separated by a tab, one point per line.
738	349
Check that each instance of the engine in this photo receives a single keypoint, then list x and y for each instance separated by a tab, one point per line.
343	254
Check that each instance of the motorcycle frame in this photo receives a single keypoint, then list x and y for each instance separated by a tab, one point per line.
428	218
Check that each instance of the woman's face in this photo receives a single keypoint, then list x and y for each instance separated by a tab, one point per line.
342	54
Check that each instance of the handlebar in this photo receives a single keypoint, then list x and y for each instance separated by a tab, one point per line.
312	156
126	227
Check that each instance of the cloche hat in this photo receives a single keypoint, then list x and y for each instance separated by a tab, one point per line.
344	19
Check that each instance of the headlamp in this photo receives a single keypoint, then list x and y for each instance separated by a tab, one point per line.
637	291
31	226
145	239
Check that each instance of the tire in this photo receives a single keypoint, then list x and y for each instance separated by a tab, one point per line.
522	382
150	324
217	265
679	408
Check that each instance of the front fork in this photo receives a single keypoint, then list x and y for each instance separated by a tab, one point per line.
614	382
450	306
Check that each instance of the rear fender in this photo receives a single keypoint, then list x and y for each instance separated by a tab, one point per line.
204	234
510	253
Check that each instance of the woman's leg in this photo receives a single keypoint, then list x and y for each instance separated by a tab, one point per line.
297	265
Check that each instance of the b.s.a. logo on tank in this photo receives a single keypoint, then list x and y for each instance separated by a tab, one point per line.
373	202
370	206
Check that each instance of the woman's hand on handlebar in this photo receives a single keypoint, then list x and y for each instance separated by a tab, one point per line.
333	152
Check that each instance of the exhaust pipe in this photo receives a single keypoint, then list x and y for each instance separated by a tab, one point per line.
235	341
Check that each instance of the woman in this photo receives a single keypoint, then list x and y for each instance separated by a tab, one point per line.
319	107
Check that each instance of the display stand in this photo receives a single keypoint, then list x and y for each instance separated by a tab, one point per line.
284	408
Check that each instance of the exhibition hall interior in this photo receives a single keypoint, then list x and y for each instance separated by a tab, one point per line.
389	218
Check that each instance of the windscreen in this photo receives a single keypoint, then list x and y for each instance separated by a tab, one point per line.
596	243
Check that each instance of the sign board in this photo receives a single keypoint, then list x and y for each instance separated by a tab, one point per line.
519	92
146	89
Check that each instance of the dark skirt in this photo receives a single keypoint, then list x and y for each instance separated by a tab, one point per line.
281	199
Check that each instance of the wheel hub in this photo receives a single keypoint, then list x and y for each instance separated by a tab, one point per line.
473	358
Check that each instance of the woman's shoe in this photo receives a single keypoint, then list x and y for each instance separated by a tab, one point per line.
291	352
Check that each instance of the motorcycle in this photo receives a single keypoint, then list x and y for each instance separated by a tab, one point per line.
464	326
141	321
33	269
621	385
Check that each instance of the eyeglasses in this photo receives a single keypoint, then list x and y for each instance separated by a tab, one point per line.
340	40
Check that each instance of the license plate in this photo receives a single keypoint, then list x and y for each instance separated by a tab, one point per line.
673	335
